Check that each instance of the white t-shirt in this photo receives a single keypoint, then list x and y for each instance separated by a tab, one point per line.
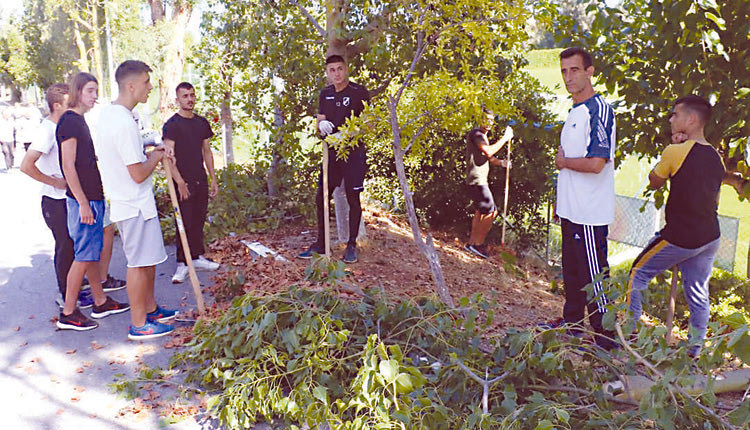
44	141
118	145
589	131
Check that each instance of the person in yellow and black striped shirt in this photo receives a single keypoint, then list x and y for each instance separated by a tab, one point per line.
691	235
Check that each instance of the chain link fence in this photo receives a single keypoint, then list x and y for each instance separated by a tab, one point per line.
636	221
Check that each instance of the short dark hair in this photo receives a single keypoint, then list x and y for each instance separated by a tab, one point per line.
184	86
77	83
697	105
56	94
577	50
129	68
335	58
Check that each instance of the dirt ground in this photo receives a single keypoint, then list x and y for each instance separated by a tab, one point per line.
390	260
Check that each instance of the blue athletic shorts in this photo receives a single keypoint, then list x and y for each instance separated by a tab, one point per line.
87	239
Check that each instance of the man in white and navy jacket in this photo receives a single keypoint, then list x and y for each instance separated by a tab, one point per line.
585	194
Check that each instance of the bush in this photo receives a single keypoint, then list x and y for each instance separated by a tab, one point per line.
243	203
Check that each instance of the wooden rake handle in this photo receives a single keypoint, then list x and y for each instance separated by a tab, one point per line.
183	238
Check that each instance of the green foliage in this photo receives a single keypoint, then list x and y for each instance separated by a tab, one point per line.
269	59
243	204
309	357
652	52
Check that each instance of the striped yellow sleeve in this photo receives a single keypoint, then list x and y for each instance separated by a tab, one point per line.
672	159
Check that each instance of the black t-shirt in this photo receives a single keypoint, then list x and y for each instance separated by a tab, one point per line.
692	203
73	125
188	135
338	106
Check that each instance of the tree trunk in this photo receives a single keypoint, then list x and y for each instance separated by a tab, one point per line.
83	61
157	10
96	53
226	127
335	30
174	57
425	246
278	121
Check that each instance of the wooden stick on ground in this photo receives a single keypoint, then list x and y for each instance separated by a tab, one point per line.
670	309
183	237
326	226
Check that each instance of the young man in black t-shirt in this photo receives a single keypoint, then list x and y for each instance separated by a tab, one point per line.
336	103
85	205
691	236
188	135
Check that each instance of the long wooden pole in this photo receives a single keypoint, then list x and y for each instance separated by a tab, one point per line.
671	306
505	200
326	226
183	237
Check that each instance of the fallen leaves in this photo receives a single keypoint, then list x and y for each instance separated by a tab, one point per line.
96	346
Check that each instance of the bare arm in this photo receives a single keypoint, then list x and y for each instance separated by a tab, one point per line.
490	150
656	181
139	172
208	160
28	166
182	188
68	149
582	164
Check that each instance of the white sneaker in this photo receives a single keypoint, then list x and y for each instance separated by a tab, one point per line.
181	274
204	263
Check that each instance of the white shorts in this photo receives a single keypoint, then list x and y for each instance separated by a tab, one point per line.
142	241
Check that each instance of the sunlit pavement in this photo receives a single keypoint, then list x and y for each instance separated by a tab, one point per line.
52	379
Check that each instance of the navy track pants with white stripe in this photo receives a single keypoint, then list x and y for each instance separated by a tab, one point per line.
584	260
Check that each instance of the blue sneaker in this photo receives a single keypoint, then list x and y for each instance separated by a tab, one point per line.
85	299
149	330
161	315
315	248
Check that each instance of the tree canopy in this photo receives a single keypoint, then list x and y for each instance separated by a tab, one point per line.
653	52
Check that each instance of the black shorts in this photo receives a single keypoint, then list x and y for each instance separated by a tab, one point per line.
352	171
482	197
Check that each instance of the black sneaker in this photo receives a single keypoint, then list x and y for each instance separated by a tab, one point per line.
109	307
75	321
478	250
313	249
112	284
350	255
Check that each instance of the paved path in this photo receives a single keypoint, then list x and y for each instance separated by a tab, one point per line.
53	379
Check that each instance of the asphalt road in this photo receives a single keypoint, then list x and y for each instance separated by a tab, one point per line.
52	379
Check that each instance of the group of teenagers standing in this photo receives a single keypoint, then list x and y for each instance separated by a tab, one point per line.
585	193
95	181
585	204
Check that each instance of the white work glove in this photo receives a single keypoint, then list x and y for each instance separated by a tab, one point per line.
325	127
508	133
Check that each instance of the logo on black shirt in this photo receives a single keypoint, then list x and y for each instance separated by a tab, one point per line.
346	101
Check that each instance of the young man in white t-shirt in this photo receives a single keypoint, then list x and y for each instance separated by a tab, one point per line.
42	163
126	176
585	194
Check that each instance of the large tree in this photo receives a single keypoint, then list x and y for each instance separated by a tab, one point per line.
654	51
430	67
